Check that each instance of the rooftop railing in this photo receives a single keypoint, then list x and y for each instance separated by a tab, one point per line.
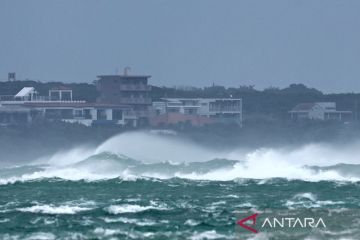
11	99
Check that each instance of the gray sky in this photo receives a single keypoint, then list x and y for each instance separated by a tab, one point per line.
185	42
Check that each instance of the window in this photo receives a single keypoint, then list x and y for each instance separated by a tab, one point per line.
78	113
66	95
101	114
54	95
117	114
87	114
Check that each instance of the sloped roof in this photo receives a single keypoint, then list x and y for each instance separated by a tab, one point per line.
25	92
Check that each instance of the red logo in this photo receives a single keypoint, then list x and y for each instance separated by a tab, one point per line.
249	218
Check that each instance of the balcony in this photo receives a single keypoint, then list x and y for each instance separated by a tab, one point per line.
135	87
135	100
225	109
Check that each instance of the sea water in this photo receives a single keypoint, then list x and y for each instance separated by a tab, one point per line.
144	186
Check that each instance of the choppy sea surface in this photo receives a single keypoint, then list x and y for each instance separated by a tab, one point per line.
113	192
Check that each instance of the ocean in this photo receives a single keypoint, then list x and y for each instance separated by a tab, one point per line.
145	186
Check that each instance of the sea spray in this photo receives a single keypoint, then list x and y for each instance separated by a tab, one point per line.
171	156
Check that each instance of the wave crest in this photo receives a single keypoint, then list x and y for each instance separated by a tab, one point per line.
141	155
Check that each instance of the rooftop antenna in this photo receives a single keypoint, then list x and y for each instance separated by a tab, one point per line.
126	71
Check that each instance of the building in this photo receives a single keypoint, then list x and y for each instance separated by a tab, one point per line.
130	90
196	111
27	106
319	111
60	93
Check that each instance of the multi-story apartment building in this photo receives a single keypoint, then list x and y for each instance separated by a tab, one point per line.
131	90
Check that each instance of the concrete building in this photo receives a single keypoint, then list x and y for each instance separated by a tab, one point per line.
27	106
131	90
60	93
197	111
319	111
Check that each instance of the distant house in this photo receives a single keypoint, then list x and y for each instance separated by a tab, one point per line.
196	111
27	106
319	111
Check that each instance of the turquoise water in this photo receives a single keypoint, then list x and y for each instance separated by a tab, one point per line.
103	193
161	209
153	208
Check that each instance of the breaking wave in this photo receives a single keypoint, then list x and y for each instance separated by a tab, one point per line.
50	209
143	155
130	208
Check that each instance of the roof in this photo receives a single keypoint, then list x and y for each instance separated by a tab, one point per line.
124	76
303	107
26	91
199	99
74	104
60	88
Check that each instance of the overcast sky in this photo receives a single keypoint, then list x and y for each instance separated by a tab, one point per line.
185	42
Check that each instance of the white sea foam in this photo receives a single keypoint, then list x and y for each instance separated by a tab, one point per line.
156	148
106	232
306	195
40	236
265	163
231	196
308	200
246	205
68	173
51	209
209	235
191	222
132	208
142	222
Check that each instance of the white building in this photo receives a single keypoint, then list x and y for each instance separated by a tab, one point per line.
27	106
319	111
216	109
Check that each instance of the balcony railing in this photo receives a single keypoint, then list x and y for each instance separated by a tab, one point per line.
6	97
10	99
135	100
225	109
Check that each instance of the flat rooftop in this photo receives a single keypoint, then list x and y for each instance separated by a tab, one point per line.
124	76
